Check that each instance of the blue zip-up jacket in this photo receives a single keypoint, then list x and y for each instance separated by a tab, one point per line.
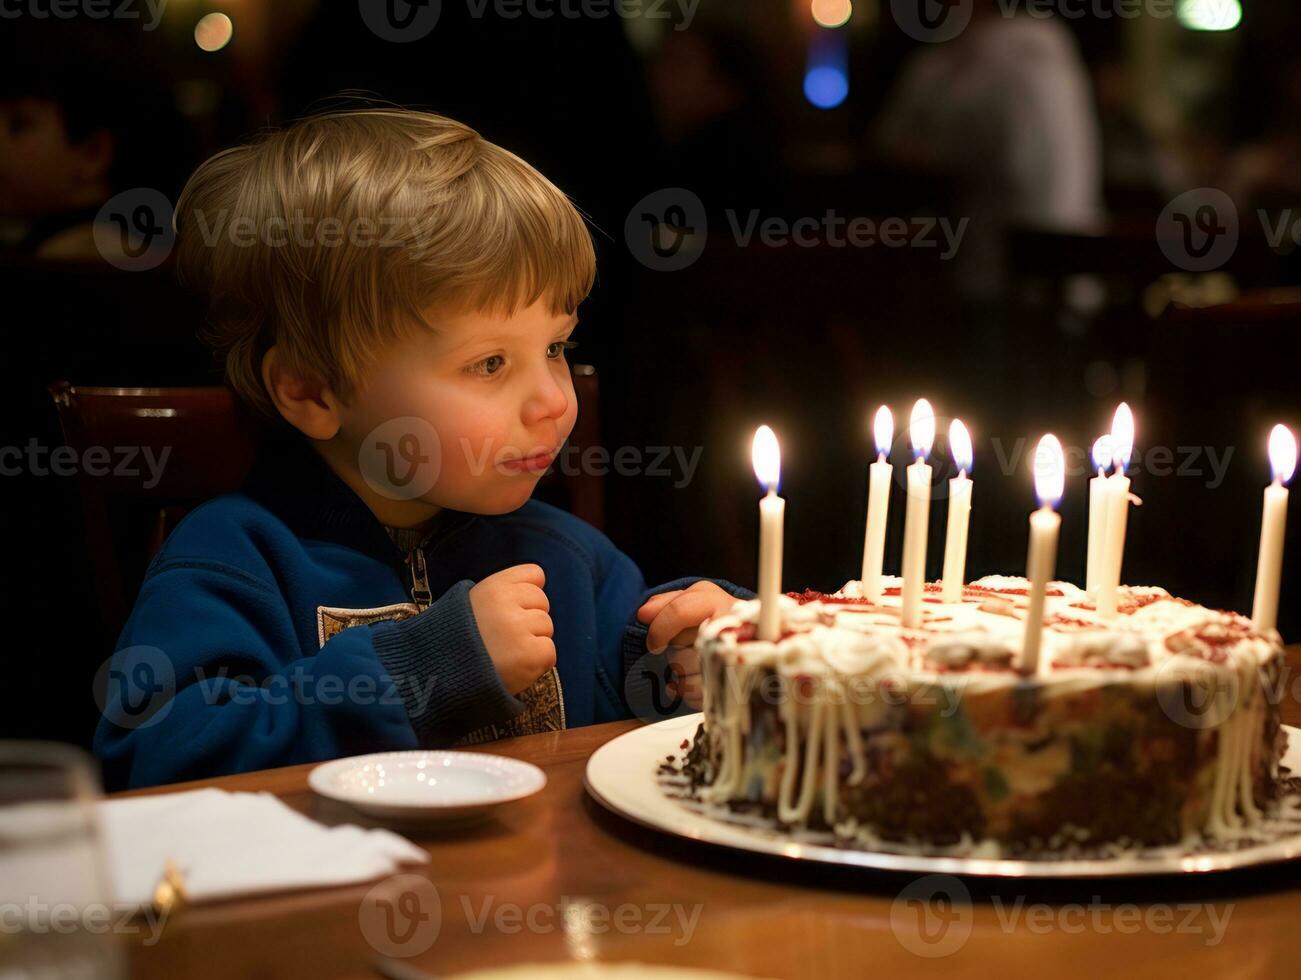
281	625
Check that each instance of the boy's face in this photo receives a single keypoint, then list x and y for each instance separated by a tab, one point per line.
467	417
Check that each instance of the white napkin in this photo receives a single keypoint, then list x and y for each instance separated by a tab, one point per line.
229	844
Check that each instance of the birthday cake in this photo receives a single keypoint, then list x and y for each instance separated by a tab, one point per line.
1153	728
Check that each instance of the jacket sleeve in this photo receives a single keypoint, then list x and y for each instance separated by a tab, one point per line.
211	678
621	592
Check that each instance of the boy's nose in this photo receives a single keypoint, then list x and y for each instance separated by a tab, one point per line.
548	400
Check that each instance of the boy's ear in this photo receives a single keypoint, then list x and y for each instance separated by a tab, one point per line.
308	405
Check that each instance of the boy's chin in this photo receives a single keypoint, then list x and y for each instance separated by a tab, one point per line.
498	500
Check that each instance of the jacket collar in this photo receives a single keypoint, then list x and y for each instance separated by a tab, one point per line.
291	480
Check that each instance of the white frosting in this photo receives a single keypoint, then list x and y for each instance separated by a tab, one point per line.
827	649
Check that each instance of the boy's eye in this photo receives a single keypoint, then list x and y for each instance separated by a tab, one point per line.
559	347
489	365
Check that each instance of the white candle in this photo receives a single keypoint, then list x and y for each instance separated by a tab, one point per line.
766	457
1269	565
880	474
921	430
955	539
1117	514
1041	560
1098	487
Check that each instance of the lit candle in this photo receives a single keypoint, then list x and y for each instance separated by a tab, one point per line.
1117	514
1049	481
878	504
766	456
1098	486
955	540
921	430
1269	566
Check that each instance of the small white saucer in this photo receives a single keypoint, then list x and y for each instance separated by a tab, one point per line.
425	785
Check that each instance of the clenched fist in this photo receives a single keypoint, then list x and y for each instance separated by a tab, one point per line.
673	618
515	622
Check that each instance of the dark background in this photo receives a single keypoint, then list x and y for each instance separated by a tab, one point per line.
809	340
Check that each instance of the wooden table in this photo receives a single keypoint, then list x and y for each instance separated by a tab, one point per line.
631	894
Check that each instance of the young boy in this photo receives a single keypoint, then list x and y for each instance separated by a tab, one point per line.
396	295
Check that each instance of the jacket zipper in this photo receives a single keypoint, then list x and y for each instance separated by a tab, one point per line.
420	579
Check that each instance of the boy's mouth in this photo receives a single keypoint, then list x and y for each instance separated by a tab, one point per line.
533	463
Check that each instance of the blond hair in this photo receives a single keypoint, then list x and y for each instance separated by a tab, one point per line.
328	239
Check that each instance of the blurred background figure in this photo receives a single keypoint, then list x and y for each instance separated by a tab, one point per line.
1006	111
84	114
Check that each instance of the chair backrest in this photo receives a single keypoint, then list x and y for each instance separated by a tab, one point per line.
152	454
161	452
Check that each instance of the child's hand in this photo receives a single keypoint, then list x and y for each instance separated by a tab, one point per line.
514	620
674	618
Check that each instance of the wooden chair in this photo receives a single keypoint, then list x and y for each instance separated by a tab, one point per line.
206	449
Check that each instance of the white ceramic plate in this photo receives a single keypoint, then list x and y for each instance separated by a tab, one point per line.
621	776
425	785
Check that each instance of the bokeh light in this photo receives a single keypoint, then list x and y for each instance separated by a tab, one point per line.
213	32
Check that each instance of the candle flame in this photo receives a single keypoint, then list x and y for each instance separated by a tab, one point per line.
960	445
921	428
1282	453
1049	471
883	430
766	456
1122	436
1103	456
